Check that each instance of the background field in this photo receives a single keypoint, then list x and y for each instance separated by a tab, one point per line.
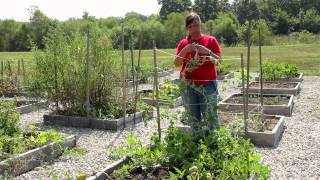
305	56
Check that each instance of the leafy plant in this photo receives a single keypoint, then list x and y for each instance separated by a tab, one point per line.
212	155
9	118
272	71
168	91
60	69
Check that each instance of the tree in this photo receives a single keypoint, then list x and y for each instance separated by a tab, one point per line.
170	6
174	28
264	31
246	10
311	21
225	28
210	9
8	30
281	22
40	25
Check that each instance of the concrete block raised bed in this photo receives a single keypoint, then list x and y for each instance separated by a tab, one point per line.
176	103
27	161
270	87
225	76
94	123
268	138
265	138
234	103
296	79
102	175
27	106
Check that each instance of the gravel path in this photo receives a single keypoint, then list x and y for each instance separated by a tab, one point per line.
298	153
296	157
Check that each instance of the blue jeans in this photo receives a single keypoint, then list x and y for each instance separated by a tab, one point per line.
201	104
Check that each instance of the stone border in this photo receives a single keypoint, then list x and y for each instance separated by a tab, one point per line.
296	79
27	161
226	76
176	103
284	110
102	175
94	123
291	91
266	138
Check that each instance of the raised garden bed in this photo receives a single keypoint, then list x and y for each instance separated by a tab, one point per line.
24	106
263	130
163	73
223	76
172	104
292	88
103	174
95	123
287	79
27	106
273	104
27	161
169	94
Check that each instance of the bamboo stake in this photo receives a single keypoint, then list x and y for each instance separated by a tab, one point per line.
261	72
248	74
88	73
124	78
243	90
156	87
133	80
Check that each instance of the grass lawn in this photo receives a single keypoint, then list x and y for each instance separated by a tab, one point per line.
305	56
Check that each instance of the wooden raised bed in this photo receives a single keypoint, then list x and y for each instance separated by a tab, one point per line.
27	161
225	76
94	123
283	79
270	87
273	104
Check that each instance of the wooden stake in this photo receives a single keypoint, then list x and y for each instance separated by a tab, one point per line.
133	80
261	72
248	73
124	93
157	88
243	90
2	78
88	73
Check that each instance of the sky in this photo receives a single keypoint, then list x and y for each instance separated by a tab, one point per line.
65	9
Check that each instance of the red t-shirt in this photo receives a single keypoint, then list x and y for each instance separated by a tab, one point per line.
205	72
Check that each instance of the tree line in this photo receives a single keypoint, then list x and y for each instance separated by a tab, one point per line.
227	21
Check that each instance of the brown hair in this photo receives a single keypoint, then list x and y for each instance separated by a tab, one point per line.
190	19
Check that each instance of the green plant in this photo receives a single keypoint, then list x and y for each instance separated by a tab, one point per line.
60	69
76	151
167	91
223	69
272	71
210	155
9	118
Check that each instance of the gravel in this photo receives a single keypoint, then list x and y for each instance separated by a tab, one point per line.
296	157
298	153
